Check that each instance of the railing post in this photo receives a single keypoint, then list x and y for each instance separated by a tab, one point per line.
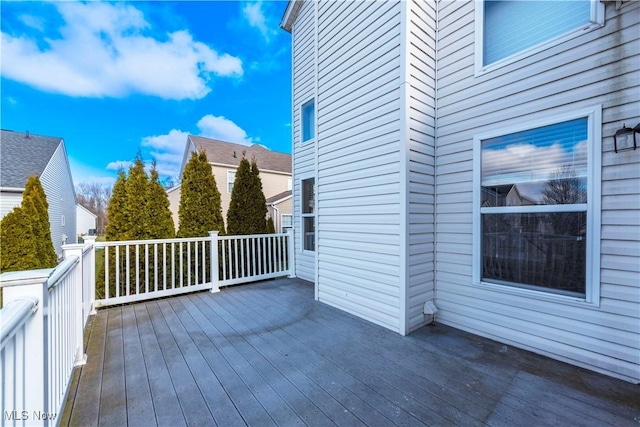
77	251
291	254
91	240
215	287
32	284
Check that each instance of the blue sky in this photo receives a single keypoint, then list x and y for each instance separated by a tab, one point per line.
115	78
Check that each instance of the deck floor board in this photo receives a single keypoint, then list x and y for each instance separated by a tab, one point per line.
268	354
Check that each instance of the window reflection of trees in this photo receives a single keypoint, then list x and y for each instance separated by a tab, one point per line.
546	250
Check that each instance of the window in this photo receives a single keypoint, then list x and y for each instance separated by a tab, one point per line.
231	177
308	120
511	27
308	215
289	186
535	208
286	222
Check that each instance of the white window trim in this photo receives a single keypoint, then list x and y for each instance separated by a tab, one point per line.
594	129
309	215
315	117
596	21
282	221
229	181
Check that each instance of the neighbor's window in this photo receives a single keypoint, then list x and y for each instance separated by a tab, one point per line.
286	222
536	197
231	177
308	120
308	215
513	26
289	183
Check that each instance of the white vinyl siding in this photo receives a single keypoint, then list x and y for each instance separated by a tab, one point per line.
421	156
303	46
597	67
358	177
58	186
8	201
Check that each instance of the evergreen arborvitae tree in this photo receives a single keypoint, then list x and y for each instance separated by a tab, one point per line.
200	207
271	228
161	223
25	232
18	248
248	207
35	206
136	210
116	221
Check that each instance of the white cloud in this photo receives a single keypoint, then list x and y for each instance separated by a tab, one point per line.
104	51
168	149
118	164
255	15
32	22
527	163
219	127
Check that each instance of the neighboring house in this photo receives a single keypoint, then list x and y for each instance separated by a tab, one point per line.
25	154
275	170
406	115
85	221
280	208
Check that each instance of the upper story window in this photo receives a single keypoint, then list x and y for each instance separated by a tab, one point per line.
289	183
536	208
308	115
512	29
231	177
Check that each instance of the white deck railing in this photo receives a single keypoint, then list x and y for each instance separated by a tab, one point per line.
41	339
136	270
45	311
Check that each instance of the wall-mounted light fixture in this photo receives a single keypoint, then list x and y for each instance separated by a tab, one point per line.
626	138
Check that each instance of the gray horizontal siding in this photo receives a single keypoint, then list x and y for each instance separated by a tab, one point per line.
303	154
598	67
421	25
58	185
359	159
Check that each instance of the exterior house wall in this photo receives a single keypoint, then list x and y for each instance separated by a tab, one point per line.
58	186
358	239
85	220
398	104
173	195
599	67
304	159
420	104
283	208
8	201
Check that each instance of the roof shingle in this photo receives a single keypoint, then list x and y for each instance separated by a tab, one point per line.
228	153
23	154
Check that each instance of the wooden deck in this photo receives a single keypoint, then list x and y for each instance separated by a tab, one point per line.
268	354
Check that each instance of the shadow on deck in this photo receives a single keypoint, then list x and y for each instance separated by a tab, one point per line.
268	354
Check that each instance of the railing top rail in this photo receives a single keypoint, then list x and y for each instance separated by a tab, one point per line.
13	316
251	236
61	271
87	247
25	277
150	242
